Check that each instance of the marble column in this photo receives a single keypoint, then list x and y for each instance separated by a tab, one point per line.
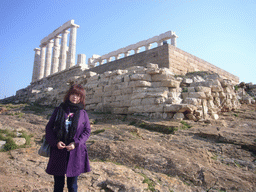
55	54
42	61
36	64
81	60
148	46
127	53
48	60
71	58
63	51
173	40
137	50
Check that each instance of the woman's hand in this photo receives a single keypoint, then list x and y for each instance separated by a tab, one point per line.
61	145
71	146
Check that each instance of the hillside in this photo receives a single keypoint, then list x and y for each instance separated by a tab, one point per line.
134	153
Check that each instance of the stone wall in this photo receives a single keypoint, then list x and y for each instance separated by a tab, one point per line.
181	62
151	91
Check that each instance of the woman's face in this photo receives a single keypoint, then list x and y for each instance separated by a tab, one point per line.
74	98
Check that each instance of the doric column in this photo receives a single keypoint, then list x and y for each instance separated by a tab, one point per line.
126	54
173	40
137	50
148	46
42	61
71	60
36	64
63	50
48	59
159	43
81	58
55	54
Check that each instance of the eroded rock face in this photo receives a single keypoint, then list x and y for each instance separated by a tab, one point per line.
132	153
149	91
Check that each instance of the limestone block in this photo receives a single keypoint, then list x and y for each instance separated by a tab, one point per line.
116	92
217	88
115	104
210	104
91	85
151	89
123	97
162	76
19	141
165	115
48	89
120	110
159	100
144	77
198	79
90	74
192	101
108	99
98	91
136	69
170	83
110	88
187	81
138	95
153	108
125	103
151	65
127	78
107	73
107	93
137	109
139	84
174	94
203	89
180	108
227	90
199	95
184	95
215	94
152	71
127	90
117	79
191	89
148	101
178	116
136	102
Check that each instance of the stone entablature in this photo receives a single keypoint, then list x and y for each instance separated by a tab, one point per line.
160	40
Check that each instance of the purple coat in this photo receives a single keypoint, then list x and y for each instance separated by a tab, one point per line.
78	161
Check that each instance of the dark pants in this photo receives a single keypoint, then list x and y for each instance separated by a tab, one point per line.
59	182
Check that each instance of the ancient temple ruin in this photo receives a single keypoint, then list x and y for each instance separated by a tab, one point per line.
163	81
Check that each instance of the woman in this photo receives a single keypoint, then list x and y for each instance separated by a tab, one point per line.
67	132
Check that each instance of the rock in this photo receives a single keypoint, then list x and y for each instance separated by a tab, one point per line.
2	143
19	141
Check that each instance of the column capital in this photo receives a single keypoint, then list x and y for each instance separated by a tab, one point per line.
74	25
65	31
37	49
43	45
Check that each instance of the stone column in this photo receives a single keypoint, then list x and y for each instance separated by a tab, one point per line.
55	54
81	60
137	50
36	64
42	61
173	40
148	46
48	60
126	54
63	50
71	60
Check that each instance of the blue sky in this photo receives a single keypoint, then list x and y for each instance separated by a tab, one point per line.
222	32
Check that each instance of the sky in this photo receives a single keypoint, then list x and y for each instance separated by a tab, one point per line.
221	32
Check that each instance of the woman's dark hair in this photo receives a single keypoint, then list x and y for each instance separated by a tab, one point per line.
78	90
